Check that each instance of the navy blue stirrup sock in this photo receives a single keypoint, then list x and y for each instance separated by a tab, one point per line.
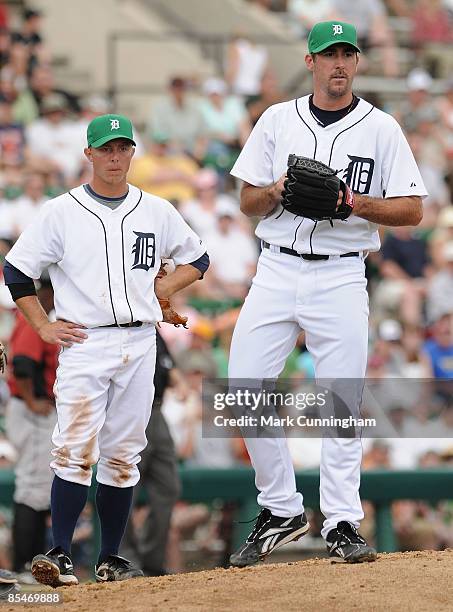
67	501
113	505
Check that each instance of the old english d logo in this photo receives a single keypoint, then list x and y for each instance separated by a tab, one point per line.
144	251
359	173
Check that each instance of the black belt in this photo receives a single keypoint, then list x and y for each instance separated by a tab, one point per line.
133	324
307	256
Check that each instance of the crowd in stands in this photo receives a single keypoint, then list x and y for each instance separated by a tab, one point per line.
193	136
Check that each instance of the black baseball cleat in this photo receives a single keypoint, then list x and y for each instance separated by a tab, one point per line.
270	532
54	568
346	545
116	568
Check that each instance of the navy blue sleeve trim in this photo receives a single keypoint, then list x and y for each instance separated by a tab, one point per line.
19	290
201	264
12	275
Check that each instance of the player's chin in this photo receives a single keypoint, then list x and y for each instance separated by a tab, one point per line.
338	88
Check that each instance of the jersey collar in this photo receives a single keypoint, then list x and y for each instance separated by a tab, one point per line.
362	108
128	204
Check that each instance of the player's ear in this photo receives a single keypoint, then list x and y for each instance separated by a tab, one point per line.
88	154
309	62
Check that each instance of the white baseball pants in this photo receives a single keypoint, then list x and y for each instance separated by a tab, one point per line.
104	392
328	299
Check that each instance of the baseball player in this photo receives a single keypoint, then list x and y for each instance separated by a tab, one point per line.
311	273
103	243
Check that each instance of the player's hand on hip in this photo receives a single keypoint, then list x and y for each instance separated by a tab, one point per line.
63	333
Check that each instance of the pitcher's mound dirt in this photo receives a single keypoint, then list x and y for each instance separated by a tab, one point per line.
395	582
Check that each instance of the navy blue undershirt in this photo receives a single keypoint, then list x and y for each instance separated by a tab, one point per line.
326	117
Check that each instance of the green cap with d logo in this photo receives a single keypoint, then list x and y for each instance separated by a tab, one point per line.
108	127
328	33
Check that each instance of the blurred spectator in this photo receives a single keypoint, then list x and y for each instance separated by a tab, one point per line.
28	104
386	355
200	212
233	256
305	13
12	139
404	265
17	67
439	347
31	418
269	94
5	45
442	234
178	116
4	16
26	207
430	145
404	254
23	107
30	36
164	170
377	456
51	139
442	431
440	288
431	31
373	31
417	101
415	363
227	125
203	450
246	64
416	525
445	105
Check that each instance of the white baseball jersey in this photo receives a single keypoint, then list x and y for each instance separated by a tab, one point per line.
103	262
367	146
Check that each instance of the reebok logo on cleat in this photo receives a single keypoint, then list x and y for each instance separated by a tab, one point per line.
273	531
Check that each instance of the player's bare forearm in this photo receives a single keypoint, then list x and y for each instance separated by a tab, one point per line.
260	201
63	333
182	277
395	212
32	310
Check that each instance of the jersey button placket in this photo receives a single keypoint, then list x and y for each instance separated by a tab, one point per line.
115	254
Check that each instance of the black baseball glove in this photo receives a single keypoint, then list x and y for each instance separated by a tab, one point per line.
311	190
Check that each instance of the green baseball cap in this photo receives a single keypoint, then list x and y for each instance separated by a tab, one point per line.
104	128
328	33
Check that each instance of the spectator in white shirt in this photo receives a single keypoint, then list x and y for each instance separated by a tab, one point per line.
25	208
201	211
52	139
233	256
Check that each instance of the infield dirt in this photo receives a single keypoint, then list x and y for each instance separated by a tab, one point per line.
400	581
